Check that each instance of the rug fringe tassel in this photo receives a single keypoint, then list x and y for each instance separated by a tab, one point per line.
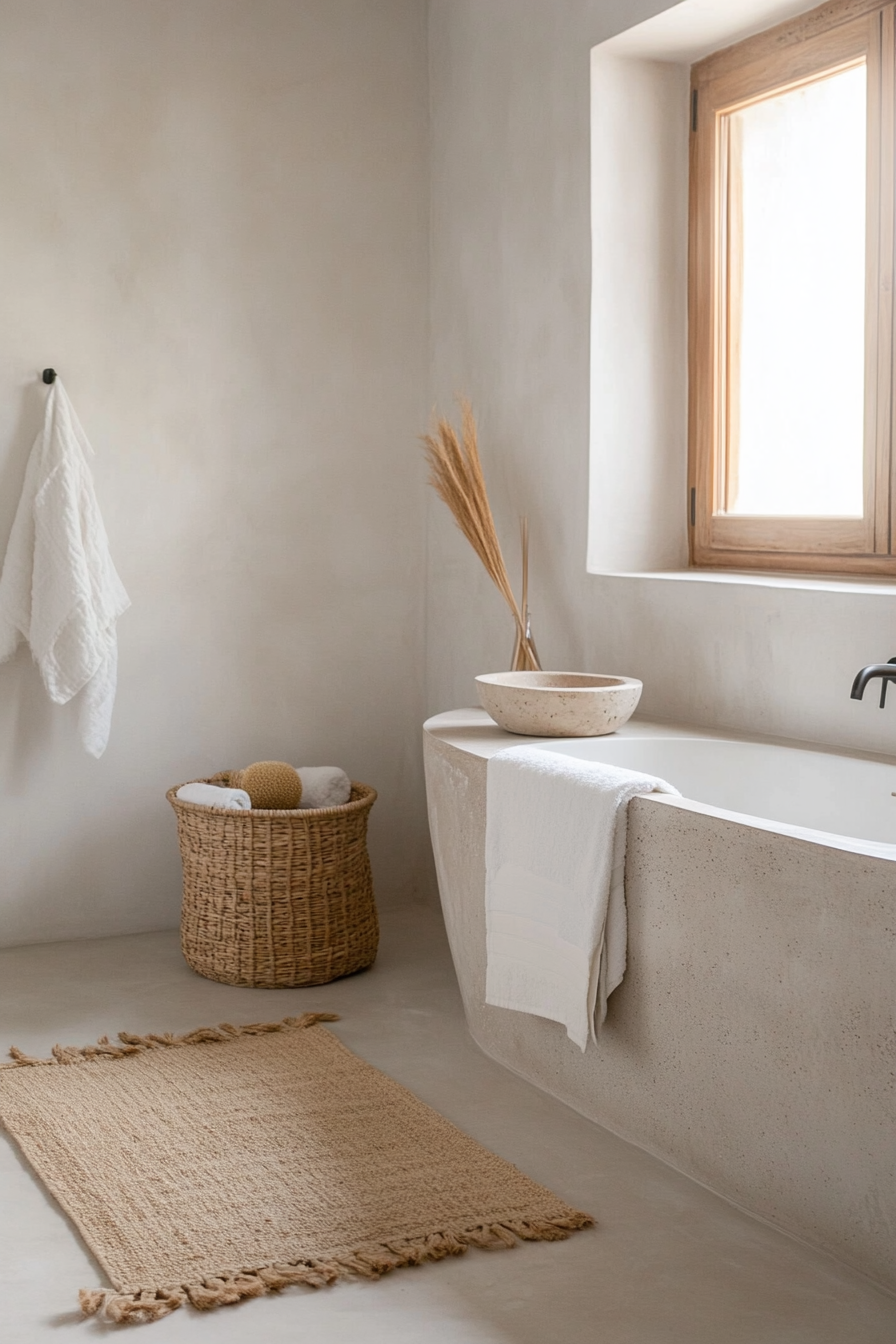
368	1262
135	1045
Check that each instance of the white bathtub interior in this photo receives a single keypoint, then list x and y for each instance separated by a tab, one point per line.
838	794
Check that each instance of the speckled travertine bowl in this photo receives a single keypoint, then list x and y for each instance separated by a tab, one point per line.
558	704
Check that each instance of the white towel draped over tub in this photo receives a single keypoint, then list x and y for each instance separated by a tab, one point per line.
59	589
555	899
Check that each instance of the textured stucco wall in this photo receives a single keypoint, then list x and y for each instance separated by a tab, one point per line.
213	223
511	290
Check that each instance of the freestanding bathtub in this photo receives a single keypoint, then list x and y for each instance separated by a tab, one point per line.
751	1043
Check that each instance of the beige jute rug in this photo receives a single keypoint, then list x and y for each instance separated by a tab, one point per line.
234	1161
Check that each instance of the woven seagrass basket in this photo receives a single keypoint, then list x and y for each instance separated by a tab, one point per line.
273	899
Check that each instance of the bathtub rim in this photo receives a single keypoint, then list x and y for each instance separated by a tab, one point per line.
475	733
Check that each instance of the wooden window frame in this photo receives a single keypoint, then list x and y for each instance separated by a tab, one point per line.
836	35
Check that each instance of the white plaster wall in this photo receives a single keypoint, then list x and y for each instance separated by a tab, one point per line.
510	284
213	222
639	377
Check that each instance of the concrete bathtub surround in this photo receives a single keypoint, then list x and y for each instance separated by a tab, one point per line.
749	1043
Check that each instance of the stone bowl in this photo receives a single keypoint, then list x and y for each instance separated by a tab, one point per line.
558	704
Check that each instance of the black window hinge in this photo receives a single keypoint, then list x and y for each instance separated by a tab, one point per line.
693	508
693	109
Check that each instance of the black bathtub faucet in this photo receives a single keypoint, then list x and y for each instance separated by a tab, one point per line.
887	673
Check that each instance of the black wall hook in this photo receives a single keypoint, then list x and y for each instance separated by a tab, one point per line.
49	375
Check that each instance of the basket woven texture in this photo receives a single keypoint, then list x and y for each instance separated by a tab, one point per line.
273	899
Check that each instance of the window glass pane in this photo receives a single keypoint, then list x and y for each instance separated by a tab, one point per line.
797	257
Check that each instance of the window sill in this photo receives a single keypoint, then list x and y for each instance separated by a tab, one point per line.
824	583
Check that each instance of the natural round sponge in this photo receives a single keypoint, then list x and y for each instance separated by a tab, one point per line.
271	784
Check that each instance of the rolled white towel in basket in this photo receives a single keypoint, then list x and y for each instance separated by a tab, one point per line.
323	786
212	795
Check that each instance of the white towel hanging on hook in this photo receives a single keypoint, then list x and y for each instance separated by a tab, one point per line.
59	589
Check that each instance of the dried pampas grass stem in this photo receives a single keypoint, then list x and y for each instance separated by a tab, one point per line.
456	475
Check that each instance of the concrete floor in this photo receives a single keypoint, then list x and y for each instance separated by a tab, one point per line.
669	1263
